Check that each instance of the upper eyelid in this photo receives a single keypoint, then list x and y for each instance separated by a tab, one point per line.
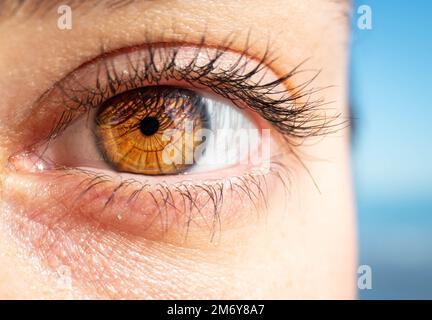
102	63
285	112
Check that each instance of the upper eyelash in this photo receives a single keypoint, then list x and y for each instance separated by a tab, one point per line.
292	112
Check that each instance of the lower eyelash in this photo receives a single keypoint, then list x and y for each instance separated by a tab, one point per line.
152	210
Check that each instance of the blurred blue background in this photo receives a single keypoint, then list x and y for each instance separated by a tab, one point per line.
391	89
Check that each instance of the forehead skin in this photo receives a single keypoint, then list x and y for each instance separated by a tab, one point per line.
307	252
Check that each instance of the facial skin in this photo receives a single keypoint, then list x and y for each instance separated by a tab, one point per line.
302	246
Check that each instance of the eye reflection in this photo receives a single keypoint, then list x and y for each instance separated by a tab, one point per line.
131	129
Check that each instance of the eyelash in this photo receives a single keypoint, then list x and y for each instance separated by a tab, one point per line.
283	109
290	110
184	195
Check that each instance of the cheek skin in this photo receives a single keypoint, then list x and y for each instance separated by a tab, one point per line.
106	263
153	212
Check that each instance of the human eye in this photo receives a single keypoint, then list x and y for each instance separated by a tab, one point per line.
165	136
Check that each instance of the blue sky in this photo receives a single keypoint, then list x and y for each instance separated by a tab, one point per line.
391	88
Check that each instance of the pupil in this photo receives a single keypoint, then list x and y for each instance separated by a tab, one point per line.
149	126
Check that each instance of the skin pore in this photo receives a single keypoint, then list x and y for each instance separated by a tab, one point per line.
301	246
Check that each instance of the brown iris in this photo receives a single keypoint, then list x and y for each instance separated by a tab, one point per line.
134	128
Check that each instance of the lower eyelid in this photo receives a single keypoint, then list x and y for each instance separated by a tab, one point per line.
172	213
